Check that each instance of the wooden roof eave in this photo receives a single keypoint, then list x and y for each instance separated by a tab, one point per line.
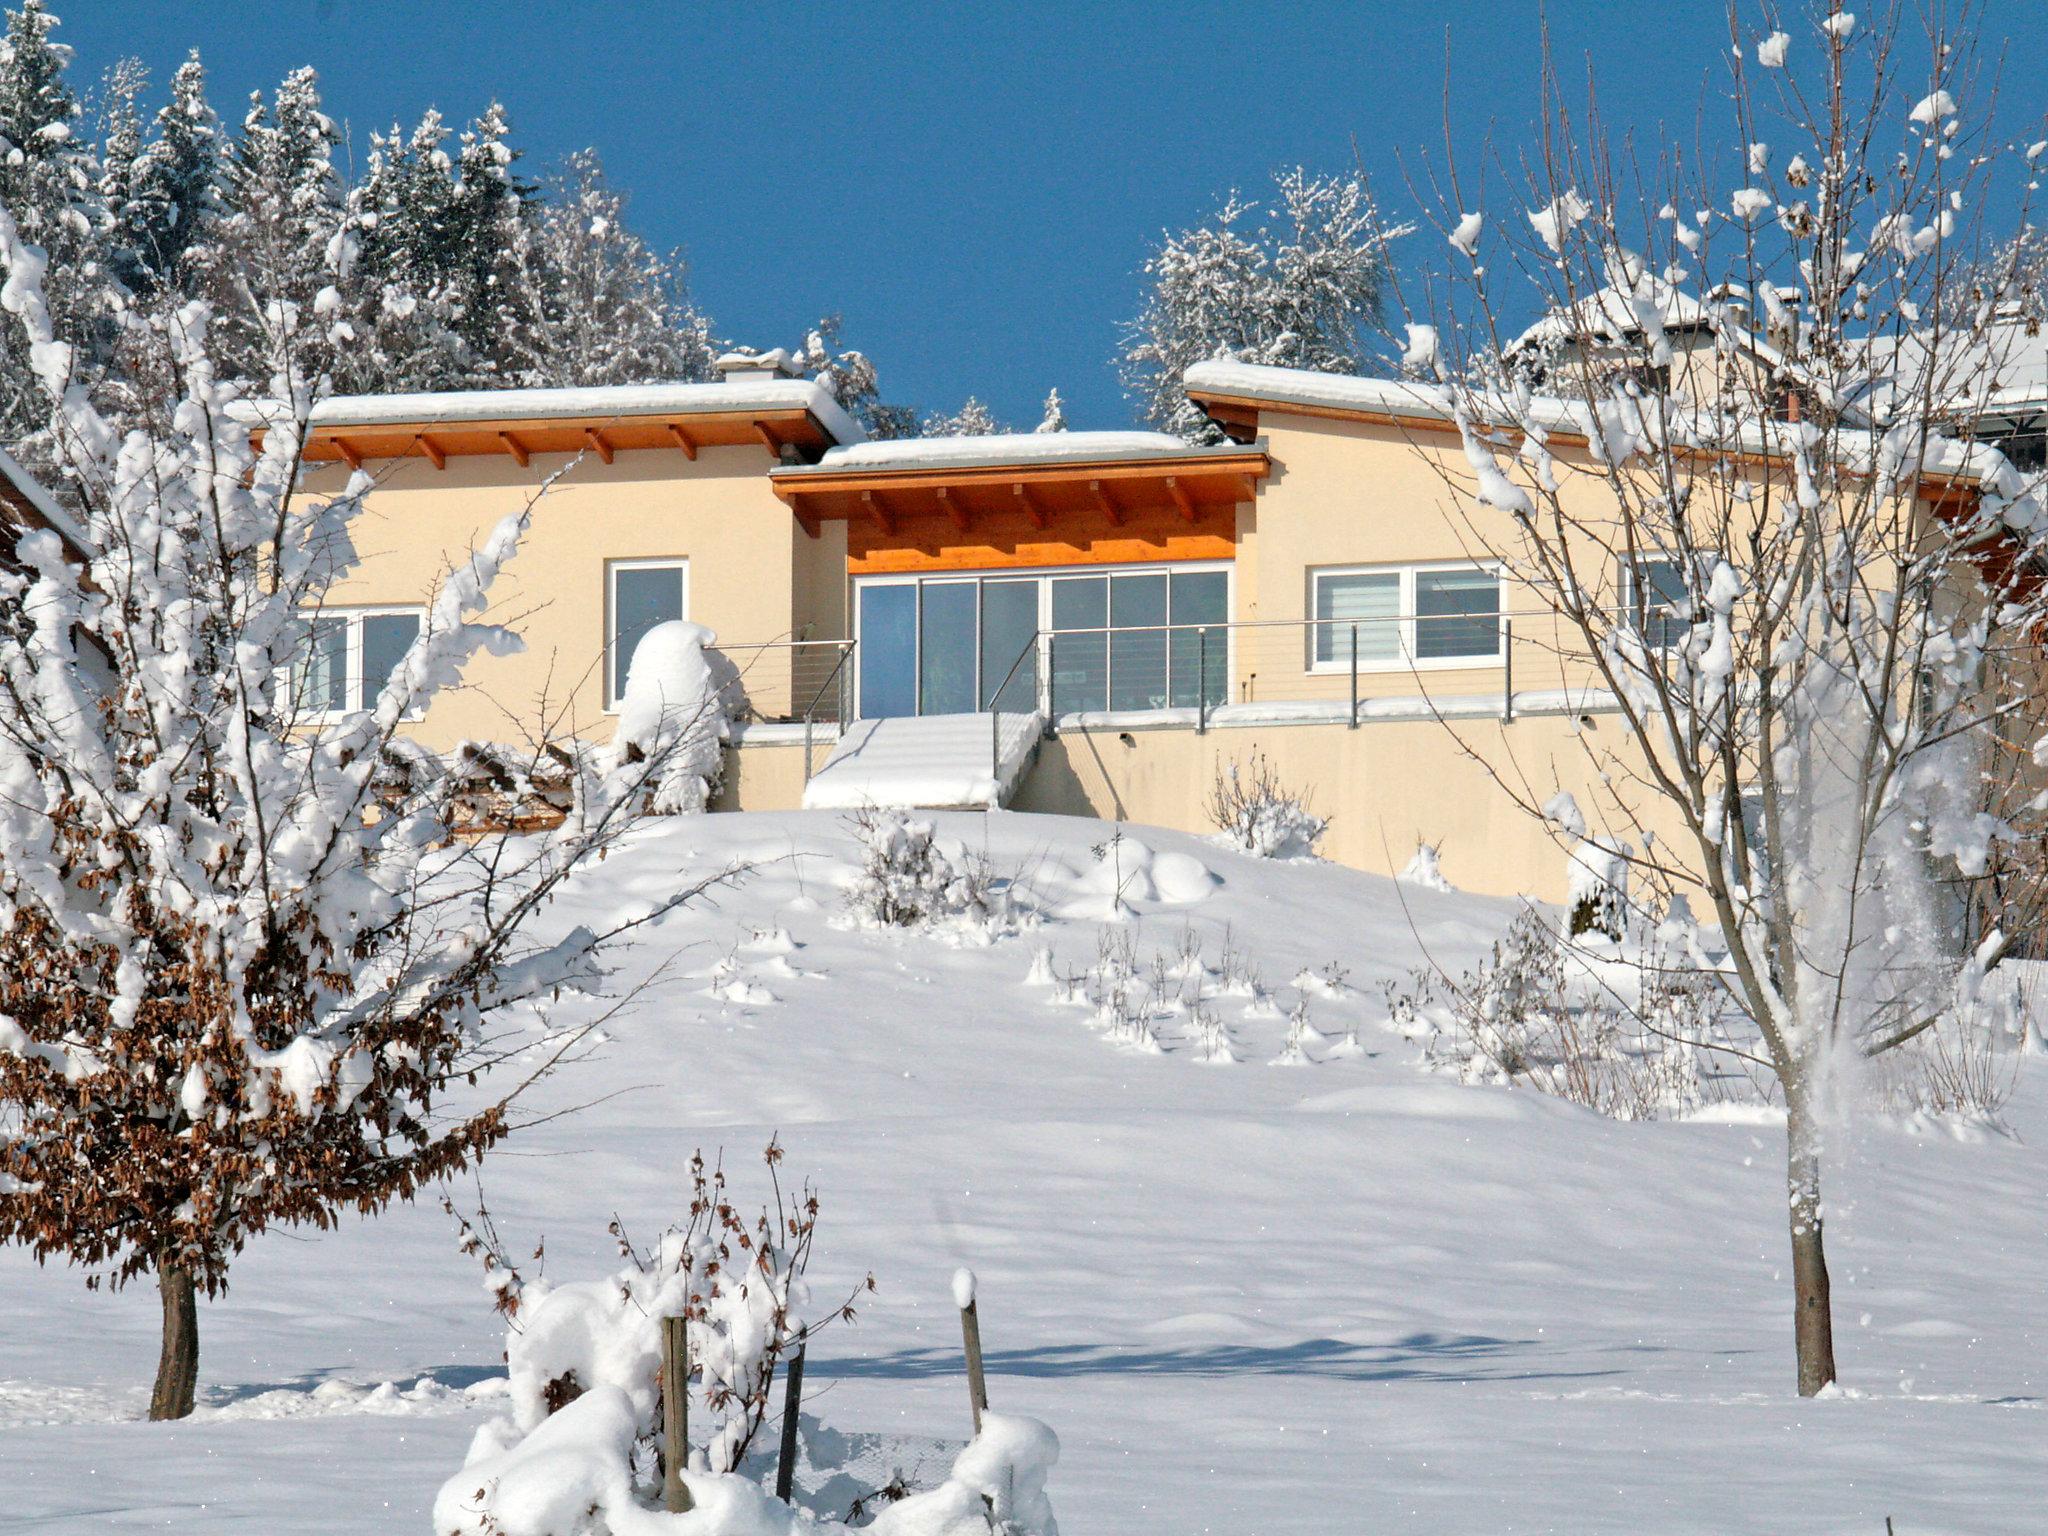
1250	466
437	440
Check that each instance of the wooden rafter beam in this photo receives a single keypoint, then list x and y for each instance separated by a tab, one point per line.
1188	510
683	440
878	509
1104	505
806	520
349	456
598	445
769	436
1030	505
434	452
950	505
516	448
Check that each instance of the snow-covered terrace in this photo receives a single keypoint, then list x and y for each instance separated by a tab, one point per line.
1027	481
771	413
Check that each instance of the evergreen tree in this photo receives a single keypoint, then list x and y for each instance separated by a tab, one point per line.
178	198
402	219
1293	292
48	180
120	138
487	251
602	307
1055	414
972	420
850	378
285	236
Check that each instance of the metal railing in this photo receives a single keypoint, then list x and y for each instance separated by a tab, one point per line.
782	680
1344	664
838	685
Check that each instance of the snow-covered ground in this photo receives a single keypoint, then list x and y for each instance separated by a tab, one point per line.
1345	1296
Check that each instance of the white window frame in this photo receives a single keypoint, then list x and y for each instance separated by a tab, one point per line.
1624	586
354	684
1405	620
1044	575
677	563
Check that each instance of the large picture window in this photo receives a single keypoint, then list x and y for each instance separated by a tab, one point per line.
350	654
639	594
1429	615
1126	639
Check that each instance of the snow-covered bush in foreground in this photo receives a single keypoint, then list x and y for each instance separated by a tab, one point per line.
579	1452
910	877
1257	814
673	712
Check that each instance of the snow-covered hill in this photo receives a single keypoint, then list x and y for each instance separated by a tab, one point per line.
1347	1295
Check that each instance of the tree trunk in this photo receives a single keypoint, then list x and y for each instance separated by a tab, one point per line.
177	1368
1813	1323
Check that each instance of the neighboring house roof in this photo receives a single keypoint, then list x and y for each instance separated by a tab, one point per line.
1111	475
1235	394
771	412
2002	372
1612	312
25	503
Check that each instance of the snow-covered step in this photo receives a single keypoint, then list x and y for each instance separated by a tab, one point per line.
932	761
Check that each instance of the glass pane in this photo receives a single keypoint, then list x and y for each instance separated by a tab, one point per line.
323	675
1457	613
1351	599
887	653
1080	663
386	639
1199	665
1009	622
1137	656
1664	609
642	597
1200	597
946	648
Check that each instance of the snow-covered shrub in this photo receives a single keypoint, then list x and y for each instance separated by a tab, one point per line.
1515	1020
579	1452
910	877
1425	870
1254	812
674	710
1597	890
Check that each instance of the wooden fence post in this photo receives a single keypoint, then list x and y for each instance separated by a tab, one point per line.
792	1399
675	1413
970	1333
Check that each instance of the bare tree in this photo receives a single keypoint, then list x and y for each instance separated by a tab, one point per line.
1728	458
243	978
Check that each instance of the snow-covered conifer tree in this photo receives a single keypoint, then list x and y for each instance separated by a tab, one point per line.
1055	414
402	223
49	179
1291	286
486	254
972	420
176	199
850	378
601	307
1730	471
120	156
242	975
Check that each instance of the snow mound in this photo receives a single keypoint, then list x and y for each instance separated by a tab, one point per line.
673	714
1128	871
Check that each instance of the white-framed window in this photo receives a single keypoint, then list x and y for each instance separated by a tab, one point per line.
1404	616
638	594
349	656
1655	600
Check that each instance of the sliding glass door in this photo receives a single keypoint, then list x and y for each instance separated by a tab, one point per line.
1124	639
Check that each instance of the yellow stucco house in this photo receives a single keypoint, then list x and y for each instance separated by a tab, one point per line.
1313	589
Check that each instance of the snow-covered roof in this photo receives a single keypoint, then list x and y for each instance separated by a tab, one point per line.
1416	401
467	405
1004	448
26	491
1614	312
2003	370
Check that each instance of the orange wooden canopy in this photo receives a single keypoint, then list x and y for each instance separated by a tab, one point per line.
521	438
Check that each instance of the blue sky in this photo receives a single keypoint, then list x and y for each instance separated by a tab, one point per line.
973	187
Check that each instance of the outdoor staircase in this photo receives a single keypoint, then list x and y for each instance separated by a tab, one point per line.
937	762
